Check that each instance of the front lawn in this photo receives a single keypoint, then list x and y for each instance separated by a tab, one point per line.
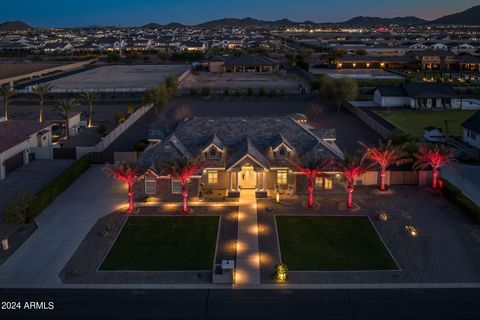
310	243
164	244
414	122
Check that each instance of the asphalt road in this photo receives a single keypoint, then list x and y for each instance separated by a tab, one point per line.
454	304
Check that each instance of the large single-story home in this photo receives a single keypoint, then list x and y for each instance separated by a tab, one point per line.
417	96
237	153
243	63
19	140
376	62
471	130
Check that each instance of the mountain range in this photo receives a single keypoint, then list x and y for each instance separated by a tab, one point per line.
470	16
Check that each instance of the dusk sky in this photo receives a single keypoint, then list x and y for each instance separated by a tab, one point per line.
62	13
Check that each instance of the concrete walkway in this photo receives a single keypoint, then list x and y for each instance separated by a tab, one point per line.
61	228
247	271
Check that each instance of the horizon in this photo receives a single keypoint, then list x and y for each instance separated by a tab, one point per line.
73	15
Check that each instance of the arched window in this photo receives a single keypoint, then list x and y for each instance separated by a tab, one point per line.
282	152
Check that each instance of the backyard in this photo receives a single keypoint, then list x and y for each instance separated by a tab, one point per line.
164	243
414	122
310	243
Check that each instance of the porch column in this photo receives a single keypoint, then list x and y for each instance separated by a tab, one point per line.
257	187
264	181
230	181
238	180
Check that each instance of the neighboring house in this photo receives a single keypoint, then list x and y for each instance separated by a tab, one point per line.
471	130
19	139
237	153
438	46
244	63
417	96
434	59
433	134
418	46
376	62
193	46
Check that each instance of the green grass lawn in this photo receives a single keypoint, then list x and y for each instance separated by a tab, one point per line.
331	244
164	243
414	122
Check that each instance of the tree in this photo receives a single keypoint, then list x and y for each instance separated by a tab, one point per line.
181	169
128	173
88	98
18	210
311	166
64	107
6	91
160	96
334	54
384	155
339	90
41	90
163	55
351	167
434	156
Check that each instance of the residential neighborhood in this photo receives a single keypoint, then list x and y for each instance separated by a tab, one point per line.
240	168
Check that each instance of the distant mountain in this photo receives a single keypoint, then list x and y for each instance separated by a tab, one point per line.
246	22
468	17
14	25
376	21
154	25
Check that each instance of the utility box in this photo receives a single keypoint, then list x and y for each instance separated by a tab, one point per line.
224	273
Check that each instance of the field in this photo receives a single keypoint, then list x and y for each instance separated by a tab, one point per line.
8	70
414	122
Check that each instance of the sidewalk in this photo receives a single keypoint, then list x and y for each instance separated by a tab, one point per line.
247	271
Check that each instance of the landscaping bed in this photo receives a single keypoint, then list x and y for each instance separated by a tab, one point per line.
310	243
164	243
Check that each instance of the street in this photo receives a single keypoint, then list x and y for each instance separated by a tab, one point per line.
424	304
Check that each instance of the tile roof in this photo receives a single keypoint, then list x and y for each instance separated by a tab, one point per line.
13	132
473	123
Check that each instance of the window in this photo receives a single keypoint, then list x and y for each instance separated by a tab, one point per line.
328	185
212	152
150	185
176	187
282	177
212	177
473	135
282	152
319	183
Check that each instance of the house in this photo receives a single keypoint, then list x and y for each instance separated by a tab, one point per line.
433	59
19	141
244	63
417	96
433	134
438	46
471	130
193	46
376	62
237	153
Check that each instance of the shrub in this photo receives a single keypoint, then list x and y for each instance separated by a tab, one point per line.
193	92
120	117
226	92
237	93
249	92
47	195
455	195
281	272
141	145
283	92
103	130
18	210
206	91
261	92
271	93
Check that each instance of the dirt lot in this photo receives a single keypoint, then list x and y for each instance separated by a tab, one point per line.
8	70
242	80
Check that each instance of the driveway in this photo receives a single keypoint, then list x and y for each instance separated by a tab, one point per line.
61	228
31	177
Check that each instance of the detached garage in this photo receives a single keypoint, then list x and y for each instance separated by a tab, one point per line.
17	138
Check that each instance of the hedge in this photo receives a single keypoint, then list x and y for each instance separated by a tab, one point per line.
48	194
456	196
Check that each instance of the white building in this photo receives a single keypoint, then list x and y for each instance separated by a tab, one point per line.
18	141
471	130
433	134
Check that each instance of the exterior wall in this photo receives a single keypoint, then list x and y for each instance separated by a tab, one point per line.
164	190
216	66
415	103
471	138
392	101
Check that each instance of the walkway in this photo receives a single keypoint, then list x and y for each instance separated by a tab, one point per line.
61	228
247	271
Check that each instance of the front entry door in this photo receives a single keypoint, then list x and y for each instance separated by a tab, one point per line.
248	177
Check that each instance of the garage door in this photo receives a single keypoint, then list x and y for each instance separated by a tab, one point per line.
14	162
402	178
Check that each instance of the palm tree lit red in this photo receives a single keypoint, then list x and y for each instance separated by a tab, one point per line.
311	167
433	156
351	167
129	173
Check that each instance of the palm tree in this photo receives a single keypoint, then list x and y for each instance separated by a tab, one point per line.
88	98
311	166
181	169
65	106
41	90
6	91
128	173
351	167
434	156
384	155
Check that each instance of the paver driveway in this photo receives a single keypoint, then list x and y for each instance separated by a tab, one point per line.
61	228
